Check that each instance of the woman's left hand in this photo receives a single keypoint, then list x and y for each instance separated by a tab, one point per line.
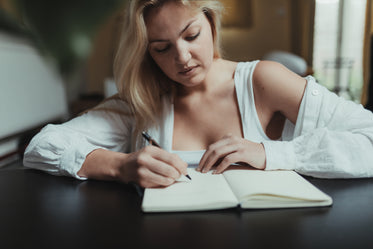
232	149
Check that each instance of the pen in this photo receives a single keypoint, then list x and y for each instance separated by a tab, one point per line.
153	142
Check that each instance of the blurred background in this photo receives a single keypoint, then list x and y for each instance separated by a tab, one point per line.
56	57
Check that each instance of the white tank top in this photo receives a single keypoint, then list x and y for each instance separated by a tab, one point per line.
191	157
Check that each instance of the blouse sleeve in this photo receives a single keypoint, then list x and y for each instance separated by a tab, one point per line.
61	149
333	138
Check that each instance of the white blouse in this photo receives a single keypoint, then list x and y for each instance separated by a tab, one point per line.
332	137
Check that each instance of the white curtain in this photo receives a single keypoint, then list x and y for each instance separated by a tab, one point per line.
338	46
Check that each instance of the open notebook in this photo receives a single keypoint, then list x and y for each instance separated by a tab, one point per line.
237	186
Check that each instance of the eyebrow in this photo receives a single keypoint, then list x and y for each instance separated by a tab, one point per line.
180	33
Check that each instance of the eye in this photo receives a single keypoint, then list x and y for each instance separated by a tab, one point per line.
162	49
192	38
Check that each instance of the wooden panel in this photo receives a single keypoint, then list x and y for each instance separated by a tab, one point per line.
237	13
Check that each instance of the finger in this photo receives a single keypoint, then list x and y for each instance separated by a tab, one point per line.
170	159
150	158
226	162
211	148
179	164
149	179
174	161
163	168
216	155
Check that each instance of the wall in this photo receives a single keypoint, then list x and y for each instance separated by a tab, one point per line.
32	92
99	65
270	30
367	93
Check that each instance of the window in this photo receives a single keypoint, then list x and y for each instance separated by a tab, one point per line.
338	46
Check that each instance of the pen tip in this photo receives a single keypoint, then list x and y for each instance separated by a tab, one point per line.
145	135
188	177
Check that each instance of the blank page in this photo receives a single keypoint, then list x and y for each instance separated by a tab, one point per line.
204	191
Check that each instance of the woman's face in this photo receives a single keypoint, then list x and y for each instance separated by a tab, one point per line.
180	42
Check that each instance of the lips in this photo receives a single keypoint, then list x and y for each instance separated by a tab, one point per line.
188	70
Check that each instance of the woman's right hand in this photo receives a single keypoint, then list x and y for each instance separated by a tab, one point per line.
148	167
152	167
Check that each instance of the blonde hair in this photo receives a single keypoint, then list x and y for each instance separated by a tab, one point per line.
139	80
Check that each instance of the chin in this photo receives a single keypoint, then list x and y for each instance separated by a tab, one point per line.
190	84
193	82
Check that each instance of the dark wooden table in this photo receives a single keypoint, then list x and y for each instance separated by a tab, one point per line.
43	211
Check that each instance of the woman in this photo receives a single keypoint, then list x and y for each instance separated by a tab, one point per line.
203	109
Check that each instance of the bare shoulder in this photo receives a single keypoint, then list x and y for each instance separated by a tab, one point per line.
274	74
227	67
278	88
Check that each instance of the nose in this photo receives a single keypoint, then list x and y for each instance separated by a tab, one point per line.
183	54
